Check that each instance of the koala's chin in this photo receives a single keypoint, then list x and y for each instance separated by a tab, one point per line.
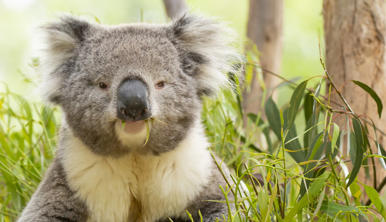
133	134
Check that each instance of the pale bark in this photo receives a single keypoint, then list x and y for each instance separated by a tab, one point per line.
355	35
265	25
175	8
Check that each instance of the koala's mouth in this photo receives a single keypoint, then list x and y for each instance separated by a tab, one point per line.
133	127
133	134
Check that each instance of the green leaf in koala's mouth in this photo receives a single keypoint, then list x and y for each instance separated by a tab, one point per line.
147	122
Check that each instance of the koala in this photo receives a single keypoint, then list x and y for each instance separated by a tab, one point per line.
131	144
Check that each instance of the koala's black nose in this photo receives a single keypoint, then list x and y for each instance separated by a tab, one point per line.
133	100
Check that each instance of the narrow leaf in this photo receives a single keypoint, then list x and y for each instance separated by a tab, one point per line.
313	192
335	136
374	197
256	119
295	101
308	106
373	95
357	162
382	152
273	116
292	139
334	209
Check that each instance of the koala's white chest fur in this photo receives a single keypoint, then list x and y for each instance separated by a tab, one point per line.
137	187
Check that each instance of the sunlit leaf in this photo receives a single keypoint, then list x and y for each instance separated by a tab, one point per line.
97	20
382	152
333	209
374	197
335	137
310	196
356	191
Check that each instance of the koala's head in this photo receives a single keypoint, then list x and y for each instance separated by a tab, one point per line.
111	81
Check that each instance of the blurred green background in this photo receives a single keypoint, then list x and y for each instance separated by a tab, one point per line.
20	41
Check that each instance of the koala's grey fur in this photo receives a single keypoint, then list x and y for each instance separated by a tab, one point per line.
191	55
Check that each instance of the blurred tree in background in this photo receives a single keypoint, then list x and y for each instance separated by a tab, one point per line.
355	34
264	32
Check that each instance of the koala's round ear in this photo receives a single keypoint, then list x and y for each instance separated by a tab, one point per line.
205	50
63	36
61	40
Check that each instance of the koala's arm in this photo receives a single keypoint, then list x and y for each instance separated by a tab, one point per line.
211	202
53	200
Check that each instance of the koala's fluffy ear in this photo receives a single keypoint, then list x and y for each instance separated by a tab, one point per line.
61	41
205	51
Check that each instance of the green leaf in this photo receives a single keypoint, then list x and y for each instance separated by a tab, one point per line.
374	197
290	83
317	148
356	192
333	209
273	116
311	123
308	106
292	141
239	105
294	145
335	136
309	169
97	20
353	147
295	101
373	95
256	119
312	193
357	162
382	152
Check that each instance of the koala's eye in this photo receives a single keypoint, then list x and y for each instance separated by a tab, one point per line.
160	85
102	85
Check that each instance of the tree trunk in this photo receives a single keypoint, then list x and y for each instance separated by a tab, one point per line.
355	32
175	8
265	22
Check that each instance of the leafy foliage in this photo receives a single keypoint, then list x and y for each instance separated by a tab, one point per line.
27	142
293	160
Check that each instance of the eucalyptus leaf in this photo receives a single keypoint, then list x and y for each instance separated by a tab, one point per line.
333	209
360	147
373	95
308	106
335	137
374	197
273	117
292	141
382	152
295	101
310	196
